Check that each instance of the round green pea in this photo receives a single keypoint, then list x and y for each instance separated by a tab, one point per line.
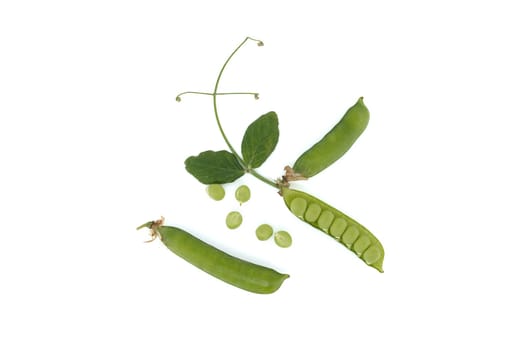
313	212
371	255
216	192
361	244
283	239
325	220
264	232
243	194
338	227
234	219
298	206
350	235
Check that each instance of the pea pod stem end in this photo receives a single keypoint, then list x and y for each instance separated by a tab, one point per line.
146	225
291	175
153	226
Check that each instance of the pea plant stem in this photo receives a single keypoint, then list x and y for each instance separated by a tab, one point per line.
262	178
216	113
216	87
214	95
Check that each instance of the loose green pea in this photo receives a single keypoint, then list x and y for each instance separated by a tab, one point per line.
298	206
264	232
234	219
216	192
332	221
243	194
283	239
335	143
237	272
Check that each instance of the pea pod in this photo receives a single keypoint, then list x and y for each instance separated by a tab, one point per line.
237	272
334	144
335	223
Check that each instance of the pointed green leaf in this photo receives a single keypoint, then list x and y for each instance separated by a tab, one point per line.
212	167
260	139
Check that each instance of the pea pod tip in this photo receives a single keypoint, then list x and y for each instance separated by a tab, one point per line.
378	266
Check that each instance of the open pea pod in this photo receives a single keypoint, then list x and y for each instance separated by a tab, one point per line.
334	144
339	226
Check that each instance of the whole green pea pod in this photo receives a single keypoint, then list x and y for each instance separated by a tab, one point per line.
335	143
237	272
338	225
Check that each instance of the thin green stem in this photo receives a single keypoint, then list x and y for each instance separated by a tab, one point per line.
264	179
215	99
214	94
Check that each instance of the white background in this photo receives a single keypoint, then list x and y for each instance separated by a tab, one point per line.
92	144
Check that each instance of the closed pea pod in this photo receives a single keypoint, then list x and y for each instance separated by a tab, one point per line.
334	144
341	227
237	272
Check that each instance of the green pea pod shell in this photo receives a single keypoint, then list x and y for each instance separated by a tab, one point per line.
335	143
336	224
237	272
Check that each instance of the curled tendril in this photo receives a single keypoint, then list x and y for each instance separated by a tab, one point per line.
178	97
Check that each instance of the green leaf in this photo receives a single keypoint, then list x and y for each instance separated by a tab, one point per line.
260	139
212	167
